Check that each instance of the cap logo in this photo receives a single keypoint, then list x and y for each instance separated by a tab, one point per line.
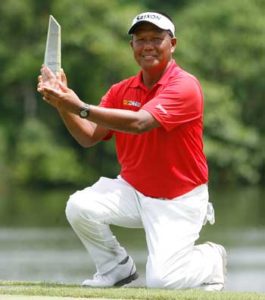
148	16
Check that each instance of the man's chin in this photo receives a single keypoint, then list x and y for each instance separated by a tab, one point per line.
149	64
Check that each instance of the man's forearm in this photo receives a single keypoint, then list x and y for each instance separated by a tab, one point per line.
122	120
82	130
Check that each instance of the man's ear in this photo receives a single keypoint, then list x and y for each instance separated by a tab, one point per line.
174	43
131	43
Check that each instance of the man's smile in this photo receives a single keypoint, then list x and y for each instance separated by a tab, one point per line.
149	56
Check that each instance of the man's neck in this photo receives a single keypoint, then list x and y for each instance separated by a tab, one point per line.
152	76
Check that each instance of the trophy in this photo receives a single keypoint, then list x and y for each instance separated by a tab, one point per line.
52	58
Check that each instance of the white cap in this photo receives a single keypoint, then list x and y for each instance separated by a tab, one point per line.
157	19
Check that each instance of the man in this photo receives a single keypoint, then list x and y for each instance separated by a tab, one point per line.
156	118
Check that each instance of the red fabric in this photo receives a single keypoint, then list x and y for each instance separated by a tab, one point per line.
168	161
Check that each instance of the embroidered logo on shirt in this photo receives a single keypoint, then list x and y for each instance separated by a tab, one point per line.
160	107
131	103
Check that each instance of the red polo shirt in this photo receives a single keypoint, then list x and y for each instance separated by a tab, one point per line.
168	161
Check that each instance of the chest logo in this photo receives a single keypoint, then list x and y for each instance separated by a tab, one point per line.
131	103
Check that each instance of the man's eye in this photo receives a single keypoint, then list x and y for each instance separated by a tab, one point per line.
157	40
153	41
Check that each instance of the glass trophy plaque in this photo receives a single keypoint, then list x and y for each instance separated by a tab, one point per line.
52	58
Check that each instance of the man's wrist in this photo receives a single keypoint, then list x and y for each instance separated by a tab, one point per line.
84	111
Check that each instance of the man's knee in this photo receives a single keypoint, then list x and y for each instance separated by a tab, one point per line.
82	205
155	280
73	210
162	279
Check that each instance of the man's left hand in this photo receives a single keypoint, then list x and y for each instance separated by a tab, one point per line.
55	91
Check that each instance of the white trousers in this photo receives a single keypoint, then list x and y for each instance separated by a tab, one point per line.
171	227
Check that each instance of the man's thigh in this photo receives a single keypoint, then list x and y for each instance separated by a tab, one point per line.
173	226
109	201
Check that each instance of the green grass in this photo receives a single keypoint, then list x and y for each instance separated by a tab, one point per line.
74	291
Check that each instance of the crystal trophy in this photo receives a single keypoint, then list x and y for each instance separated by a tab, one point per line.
52	58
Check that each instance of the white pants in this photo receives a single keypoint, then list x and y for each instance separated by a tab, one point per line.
171	227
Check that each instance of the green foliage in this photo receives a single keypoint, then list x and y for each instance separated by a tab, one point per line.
232	148
40	159
223	45
3	152
166	6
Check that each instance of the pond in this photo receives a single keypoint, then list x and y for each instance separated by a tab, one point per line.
37	244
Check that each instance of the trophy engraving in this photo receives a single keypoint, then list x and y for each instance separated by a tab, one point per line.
52	58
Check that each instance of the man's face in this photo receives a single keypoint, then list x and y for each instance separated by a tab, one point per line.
152	47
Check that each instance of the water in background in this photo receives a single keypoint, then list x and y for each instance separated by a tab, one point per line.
36	243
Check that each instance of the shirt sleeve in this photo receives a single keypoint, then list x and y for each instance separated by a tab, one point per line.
108	100
180	102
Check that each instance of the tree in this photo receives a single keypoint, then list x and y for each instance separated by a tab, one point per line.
92	37
223	45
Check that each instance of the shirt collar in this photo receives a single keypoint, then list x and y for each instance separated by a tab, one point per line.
172	70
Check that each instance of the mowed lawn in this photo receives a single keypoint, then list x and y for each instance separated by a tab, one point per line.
48	291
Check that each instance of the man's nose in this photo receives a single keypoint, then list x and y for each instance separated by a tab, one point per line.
148	44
